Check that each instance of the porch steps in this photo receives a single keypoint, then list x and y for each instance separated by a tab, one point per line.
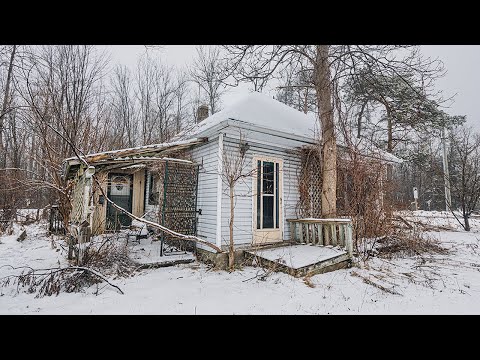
300	260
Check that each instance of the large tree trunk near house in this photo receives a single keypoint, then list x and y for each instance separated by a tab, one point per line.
231	250
329	144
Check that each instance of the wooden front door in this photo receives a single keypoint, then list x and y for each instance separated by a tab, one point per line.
120	192
267	200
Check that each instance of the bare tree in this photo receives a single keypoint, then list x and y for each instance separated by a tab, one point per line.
207	72
465	172
182	100
60	95
145	87
235	169
124	132
6	101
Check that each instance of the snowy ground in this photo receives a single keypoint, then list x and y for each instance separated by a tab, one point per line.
432	284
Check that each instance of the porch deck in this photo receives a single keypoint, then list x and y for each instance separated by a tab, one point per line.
300	260
319	245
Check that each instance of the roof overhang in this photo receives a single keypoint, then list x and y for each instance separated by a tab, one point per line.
130	156
214	130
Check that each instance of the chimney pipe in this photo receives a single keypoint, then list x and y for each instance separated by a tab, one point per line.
202	113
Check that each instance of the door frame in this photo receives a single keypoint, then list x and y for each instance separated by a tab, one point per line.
257	233
109	183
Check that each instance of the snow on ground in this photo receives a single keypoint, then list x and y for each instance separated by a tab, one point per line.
440	218
431	284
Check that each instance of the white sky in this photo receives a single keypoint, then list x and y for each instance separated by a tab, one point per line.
461	61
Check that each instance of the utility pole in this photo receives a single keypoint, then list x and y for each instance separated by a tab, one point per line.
446	173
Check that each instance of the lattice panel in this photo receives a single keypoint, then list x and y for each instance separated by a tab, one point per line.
78	203
310	184
180	200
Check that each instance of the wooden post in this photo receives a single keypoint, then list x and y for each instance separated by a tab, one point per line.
327	236
334	234
341	234
292	231
349	240
320	235
307	235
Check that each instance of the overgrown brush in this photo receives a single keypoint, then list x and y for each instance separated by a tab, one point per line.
406	243
107	258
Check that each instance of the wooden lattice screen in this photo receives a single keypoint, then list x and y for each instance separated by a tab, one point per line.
178	200
78	203
310	184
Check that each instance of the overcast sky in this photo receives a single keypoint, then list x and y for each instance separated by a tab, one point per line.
461	61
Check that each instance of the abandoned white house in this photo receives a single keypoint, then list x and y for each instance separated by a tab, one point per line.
182	184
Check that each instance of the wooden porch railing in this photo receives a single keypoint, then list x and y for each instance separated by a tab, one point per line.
323	232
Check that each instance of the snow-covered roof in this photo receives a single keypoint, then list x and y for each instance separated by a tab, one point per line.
367	148
260	110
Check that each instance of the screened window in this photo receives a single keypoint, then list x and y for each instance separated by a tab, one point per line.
267	195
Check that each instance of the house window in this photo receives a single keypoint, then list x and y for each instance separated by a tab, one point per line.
267	195
153	190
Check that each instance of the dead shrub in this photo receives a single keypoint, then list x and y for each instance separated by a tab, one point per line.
363	190
102	259
110	257
407	243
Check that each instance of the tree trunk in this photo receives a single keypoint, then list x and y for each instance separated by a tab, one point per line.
329	144
389	131
231	253
6	99
466	221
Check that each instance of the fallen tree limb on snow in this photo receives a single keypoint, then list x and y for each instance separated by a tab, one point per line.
378	286
52	281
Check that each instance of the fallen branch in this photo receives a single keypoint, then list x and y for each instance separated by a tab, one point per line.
404	221
44	278
165	264
96	273
378	286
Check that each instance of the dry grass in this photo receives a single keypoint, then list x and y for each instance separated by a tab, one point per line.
408	243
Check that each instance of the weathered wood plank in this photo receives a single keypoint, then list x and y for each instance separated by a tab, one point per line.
138	193
22	236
